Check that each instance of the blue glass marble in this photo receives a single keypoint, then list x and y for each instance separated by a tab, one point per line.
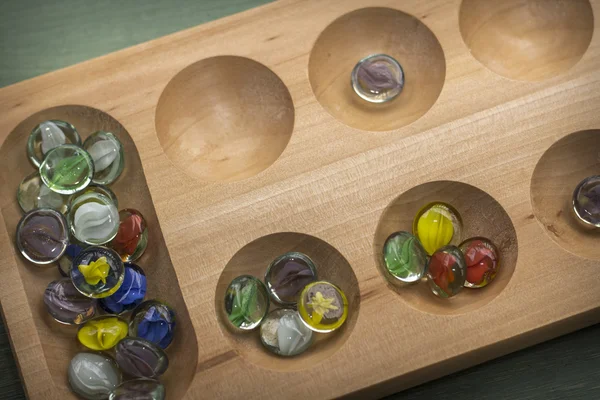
130	294
153	321
64	263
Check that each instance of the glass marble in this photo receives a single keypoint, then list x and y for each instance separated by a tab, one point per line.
323	307
404	257
49	135
102	333
140	358
66	261
107	152
378	78
246	302
287	275
97	272
93	376
42	236
33	193
129	295
99	189
66	305
437	225
586	202
93	218
67	169
139	389
447	271
132	236
153	321
482	260
283	333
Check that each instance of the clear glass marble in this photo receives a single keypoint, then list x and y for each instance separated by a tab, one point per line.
154	321
586	202
42	236
48	135
67	169
132	237
378	78
96	188
436	225
323	307
287	275
66	305
93	376
33	193
447	271
404	258
93	217
139	389
107	152
246	302
482	259
283	333
97	272
140	358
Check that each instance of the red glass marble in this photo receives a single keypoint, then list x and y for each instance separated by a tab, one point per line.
132	237
482	261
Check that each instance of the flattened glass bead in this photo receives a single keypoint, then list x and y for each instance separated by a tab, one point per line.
42	236
67	169
66	305
93	217
98	189
33	193
140	358
283	333
66	261
447	271
139	389
49	135
404	257
93	376
102	333
437	225
586	202
129	295
246	302
97	272
287	275
378	78
482	259
323	307
107	152
153	321
132	236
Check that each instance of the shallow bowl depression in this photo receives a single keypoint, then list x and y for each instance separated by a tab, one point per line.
527	39
224	118
481	215
59	342
253	259
368	31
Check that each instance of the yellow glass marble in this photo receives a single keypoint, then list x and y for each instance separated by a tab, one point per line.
323	307
102	333
96	271
437	225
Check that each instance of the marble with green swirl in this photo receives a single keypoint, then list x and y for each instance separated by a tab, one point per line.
67	169
404	257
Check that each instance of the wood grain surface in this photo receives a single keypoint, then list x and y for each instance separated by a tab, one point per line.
38	37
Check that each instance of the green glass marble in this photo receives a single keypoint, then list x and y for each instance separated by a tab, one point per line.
246	302
67	169
107	152
49	135
404	257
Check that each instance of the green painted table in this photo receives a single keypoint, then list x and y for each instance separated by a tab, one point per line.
38	37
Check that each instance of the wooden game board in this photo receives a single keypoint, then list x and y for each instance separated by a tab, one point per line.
244	140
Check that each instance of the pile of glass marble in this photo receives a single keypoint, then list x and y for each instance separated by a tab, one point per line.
435	250
72	222
305	305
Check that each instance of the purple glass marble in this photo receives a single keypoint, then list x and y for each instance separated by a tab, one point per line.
66	305
378	78
141	358
139	389
287	275
586	201
42	236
